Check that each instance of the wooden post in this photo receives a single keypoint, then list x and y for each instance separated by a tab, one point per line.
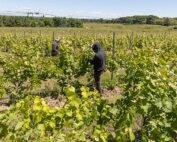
131	42
24	34
40	34
53	38
31	35
74	46
113	54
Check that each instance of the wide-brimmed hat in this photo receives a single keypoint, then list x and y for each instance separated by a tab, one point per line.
58	39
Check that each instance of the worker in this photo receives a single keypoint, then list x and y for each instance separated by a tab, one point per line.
99	64
55	48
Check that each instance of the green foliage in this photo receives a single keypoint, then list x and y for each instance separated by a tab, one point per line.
146	64
137	19
150	90
166	22
151	19
32	119
19	21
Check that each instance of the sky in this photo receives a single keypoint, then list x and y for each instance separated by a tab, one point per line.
93	8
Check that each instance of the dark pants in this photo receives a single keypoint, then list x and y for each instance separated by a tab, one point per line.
97	75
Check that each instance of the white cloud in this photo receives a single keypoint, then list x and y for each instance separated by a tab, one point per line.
86	14
66	13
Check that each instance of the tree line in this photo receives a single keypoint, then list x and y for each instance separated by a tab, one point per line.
150	19
20	21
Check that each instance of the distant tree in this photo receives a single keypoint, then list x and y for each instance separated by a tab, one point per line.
1	22
57	22
139	19
151	19
47	22
7	21
17	21
125	20
41	23
166	22
26	22
159	21
173	22
101	20
71	22
78	24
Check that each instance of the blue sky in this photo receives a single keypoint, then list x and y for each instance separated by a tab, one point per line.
94	8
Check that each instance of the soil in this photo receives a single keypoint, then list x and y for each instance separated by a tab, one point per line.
61	100
56	102
4	104
115	91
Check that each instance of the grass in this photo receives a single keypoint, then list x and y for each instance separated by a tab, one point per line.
125	28
89	28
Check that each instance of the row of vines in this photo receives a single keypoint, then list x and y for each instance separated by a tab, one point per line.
144	67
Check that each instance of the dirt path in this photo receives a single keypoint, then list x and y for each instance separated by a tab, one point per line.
4	105
110	95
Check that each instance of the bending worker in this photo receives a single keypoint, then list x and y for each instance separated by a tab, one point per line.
55	48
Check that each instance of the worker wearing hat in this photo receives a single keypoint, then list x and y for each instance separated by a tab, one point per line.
55	48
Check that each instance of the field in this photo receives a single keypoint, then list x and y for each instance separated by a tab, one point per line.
92	28
53	98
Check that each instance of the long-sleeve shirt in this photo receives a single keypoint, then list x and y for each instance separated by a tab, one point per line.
99	60
55	49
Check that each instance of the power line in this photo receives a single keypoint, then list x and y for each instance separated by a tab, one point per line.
27	13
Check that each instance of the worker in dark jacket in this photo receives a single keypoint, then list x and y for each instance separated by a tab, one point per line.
55	48
98	63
